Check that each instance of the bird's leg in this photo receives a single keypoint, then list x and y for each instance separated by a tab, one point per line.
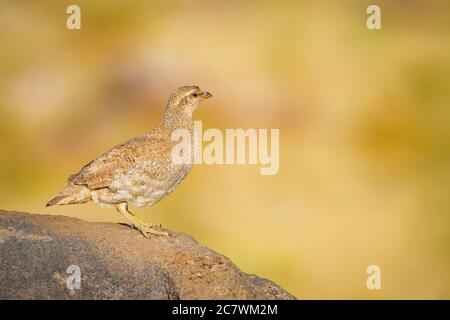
145	228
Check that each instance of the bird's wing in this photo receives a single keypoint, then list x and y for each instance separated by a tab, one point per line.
100	172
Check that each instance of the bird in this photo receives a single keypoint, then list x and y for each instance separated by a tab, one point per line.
140	171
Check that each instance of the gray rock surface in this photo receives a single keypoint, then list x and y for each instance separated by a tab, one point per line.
115	262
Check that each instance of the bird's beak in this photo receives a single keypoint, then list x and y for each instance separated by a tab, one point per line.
205	95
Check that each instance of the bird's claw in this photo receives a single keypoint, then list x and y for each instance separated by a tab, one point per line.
152	225
149	229
148	232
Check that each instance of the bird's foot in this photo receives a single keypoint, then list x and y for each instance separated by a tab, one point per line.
145	228
152	225
148	229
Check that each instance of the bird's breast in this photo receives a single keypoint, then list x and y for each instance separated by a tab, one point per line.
145	187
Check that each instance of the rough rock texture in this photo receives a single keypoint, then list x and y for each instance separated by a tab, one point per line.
116	262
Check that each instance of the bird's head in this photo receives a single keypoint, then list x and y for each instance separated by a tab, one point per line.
185	100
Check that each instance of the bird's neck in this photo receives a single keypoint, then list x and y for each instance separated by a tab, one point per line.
175	120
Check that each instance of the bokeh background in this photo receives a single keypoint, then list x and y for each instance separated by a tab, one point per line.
364	123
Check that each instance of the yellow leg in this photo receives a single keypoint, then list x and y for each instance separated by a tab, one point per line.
145	228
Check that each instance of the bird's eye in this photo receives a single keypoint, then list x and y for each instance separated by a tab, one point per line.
194	95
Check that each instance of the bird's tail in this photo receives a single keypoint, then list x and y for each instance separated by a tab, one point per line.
70	195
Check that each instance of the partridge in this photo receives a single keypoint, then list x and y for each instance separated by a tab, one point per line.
140	171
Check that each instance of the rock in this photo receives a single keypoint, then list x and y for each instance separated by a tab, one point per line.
115	262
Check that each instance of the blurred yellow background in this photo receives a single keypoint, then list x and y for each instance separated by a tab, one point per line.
363	115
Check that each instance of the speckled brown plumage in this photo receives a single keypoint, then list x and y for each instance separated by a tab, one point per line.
139	171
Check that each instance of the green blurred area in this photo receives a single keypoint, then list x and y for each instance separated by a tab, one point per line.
363	115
